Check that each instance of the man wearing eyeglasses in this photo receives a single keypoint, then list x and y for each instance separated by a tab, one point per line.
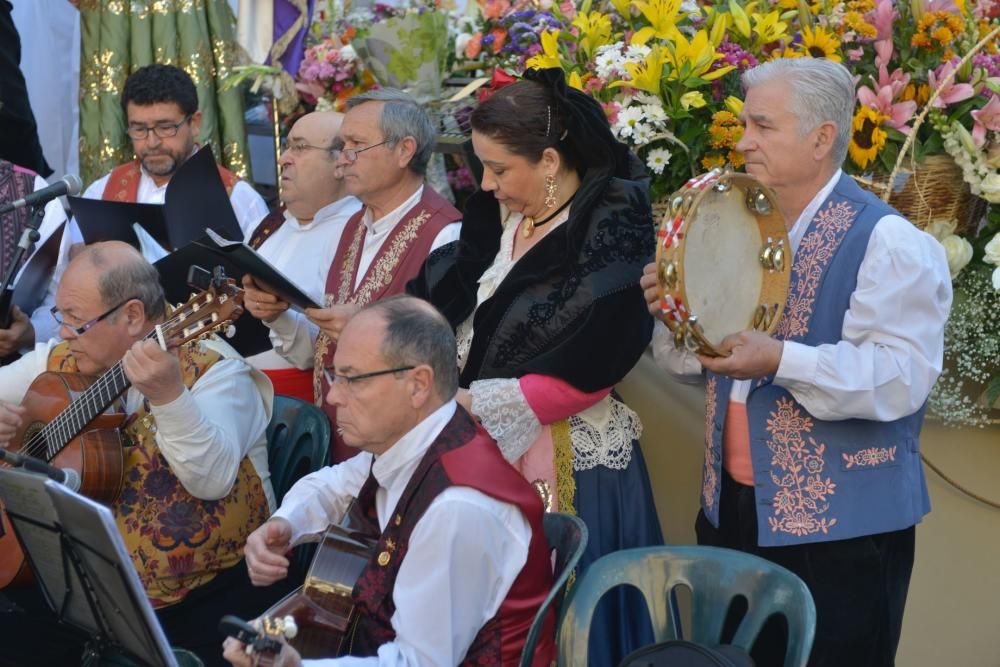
461	565
300	239
386	141
196	479
161	108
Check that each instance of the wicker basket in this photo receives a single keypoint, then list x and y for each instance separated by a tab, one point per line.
933	190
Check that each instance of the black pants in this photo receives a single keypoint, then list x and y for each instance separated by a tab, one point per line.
31	635
859	585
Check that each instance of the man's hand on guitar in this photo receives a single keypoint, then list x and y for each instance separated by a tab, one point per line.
155	373
260	642
10	421
265	552
332	320
21	333
259	302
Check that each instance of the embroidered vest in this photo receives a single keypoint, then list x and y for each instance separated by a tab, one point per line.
269	225
123	183
462	455
819	480
177	542
15	183
397	262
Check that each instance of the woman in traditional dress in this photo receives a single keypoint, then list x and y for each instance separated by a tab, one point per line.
543	290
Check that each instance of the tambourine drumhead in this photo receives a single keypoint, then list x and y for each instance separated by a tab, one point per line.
721	253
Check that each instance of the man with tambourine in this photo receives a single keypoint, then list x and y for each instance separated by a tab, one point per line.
812	453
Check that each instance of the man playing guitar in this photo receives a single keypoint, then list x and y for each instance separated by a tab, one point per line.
193	461
461	566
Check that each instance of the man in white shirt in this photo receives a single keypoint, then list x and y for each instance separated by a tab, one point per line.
26	328
461	563
386	141
161	108
195	480
812	455
301	239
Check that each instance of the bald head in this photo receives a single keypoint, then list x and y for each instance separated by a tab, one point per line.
309	178
120	273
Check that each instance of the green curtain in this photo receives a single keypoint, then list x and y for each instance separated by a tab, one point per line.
119	36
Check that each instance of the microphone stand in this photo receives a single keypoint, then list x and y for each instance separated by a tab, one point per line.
29	237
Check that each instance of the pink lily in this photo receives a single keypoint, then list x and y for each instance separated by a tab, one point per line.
987	118
889	87
952	92
882	17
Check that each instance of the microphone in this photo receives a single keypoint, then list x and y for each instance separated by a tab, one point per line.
70	184
65	476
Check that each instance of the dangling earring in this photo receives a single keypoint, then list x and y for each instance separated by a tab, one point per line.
550	191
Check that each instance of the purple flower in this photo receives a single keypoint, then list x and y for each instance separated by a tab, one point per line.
181	521
160	484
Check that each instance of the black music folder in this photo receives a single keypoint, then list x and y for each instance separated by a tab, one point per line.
32	282
195	200
79	558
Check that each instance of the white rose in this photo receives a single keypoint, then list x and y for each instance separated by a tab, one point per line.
460	43
959	253
990	188
941	229
993	250
996	279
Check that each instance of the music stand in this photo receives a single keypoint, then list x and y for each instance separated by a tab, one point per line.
79	559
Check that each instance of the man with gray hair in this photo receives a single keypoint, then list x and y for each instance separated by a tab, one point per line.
812	454
385	142
461	565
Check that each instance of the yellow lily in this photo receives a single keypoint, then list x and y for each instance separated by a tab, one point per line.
719	27
694	58
694	99
734	105
662	17
549	56
769	28
595	31
740	19
575	81
623	7
646	75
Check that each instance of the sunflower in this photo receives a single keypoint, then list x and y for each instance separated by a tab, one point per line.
819	44
867	136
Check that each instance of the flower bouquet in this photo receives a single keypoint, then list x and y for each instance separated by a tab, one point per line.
331	72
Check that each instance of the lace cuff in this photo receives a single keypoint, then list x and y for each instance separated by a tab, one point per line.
506	415
603	434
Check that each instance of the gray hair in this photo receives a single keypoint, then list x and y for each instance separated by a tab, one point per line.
822	91
132	279
402	116
417	334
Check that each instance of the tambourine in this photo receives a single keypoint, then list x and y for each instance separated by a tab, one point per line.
722	259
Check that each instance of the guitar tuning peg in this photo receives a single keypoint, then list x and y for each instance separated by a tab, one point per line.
230	331
291	629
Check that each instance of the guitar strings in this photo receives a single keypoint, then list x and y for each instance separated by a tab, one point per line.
62	422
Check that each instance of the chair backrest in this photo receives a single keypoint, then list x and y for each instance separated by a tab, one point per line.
567	536
715	577
298	440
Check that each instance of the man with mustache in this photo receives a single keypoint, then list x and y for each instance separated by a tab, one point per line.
161	108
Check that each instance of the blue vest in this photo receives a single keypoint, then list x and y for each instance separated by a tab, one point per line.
821	480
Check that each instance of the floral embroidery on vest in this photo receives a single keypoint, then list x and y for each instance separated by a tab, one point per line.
709	478
177	542
869	457
814	253
381	274
803	493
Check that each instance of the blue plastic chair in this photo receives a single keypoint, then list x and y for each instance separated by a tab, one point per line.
298	440
567	536
715	577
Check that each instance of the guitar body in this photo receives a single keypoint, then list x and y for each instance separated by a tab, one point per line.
96	454
323	607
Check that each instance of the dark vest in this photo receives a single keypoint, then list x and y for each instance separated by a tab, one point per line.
462	455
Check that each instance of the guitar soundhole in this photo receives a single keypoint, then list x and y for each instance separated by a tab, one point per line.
28	445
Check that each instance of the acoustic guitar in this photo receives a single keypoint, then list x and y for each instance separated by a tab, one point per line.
69	420
262	638
323	608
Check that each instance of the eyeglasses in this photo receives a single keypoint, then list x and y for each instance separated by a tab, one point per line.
333	378
83	328
352	153
161	130
300	147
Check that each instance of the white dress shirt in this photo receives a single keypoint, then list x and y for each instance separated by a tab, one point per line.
204	433
463	556
892	343
294	336
304	253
